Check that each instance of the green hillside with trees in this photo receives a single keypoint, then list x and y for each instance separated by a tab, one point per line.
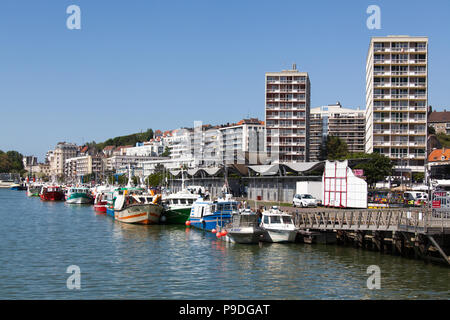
130	139
11	162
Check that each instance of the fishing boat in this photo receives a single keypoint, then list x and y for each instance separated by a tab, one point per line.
209	215
33	190
278	225
132	207
101	199
51	193
79	195
245	228
177	207
110	198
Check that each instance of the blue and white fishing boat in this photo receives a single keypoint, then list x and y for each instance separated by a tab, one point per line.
209	215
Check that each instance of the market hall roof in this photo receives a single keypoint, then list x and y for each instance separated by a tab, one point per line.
263	170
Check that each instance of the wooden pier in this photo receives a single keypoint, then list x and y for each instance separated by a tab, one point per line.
423	233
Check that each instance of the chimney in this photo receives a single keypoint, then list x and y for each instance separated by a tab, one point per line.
294	66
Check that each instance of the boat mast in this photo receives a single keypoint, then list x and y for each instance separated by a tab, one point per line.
182	178
129	176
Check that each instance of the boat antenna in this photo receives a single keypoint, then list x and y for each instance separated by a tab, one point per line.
182	177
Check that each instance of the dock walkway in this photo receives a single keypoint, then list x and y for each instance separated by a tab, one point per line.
422	230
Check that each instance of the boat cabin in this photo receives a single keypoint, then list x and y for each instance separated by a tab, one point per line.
130	200
79	190
245	220
276	218
51	189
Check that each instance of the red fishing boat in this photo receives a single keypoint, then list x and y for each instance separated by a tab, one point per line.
52	193
100	203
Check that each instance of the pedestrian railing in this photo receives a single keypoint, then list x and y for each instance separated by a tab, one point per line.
411	220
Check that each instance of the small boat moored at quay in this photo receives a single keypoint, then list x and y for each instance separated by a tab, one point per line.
110	198
101	201
278	225
51	193
177	207
137	208
245	228
79	195
209	215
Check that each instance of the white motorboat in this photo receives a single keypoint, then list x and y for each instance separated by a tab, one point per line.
244	228
278	225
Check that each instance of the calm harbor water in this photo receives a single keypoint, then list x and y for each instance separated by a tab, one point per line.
39	240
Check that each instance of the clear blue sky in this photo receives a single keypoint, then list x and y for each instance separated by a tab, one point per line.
164	64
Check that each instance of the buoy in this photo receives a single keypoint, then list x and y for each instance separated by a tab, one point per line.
188	223
224	233
218	234
213	230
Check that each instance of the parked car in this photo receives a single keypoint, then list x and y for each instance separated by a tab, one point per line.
304	201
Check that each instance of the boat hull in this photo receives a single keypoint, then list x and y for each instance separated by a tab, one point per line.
246	235
100	207
276	235
110	212
79	199
139	214
52	196
175	216
18	188
210	222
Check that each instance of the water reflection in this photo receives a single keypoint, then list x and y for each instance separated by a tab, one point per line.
40	239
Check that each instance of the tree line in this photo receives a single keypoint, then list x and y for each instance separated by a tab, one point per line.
11	162
376	166
130	139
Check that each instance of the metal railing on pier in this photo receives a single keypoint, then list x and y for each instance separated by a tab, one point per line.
424	221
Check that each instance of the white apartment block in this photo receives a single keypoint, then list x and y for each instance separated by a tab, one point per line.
146	149
334	120
114	163
58	157
397	100
211	146
243	142
287	101
181	144
149	167
77	167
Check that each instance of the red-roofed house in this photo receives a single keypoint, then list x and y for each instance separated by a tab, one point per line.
108	150
439	163
121	150
440	121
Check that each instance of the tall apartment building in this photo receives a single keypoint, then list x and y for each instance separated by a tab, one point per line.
58	157
334	120
287	115
397	99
